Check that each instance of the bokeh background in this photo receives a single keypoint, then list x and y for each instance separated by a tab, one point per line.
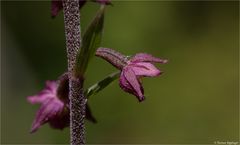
195	100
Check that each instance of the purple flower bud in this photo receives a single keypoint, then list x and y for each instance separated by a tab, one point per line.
54	105
132	69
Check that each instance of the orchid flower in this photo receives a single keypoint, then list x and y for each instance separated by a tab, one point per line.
140	65
54	105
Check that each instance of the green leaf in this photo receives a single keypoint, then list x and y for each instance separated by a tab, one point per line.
101	84
90	42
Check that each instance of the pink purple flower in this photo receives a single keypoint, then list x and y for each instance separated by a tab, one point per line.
140	65
52	110
54	107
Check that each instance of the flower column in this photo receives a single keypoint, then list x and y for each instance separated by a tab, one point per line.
77	99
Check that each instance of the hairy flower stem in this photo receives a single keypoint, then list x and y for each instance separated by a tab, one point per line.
76	95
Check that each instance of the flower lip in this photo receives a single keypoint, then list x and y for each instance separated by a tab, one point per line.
50	109
127	87
144	69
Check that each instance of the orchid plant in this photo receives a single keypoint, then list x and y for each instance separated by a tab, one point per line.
63	101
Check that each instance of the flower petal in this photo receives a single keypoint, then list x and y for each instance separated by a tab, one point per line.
144	57
125	85
56	6
49	110
129	83
62	120
51	86
48	92
37	98
145	69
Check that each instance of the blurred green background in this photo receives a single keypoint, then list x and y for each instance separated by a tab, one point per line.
195	100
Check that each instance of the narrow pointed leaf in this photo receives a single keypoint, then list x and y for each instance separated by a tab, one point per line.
90	42
101	84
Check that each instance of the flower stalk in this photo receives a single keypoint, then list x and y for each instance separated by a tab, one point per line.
76	96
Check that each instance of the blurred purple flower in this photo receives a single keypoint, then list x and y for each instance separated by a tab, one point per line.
54	105
57	6
52	110
132	69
